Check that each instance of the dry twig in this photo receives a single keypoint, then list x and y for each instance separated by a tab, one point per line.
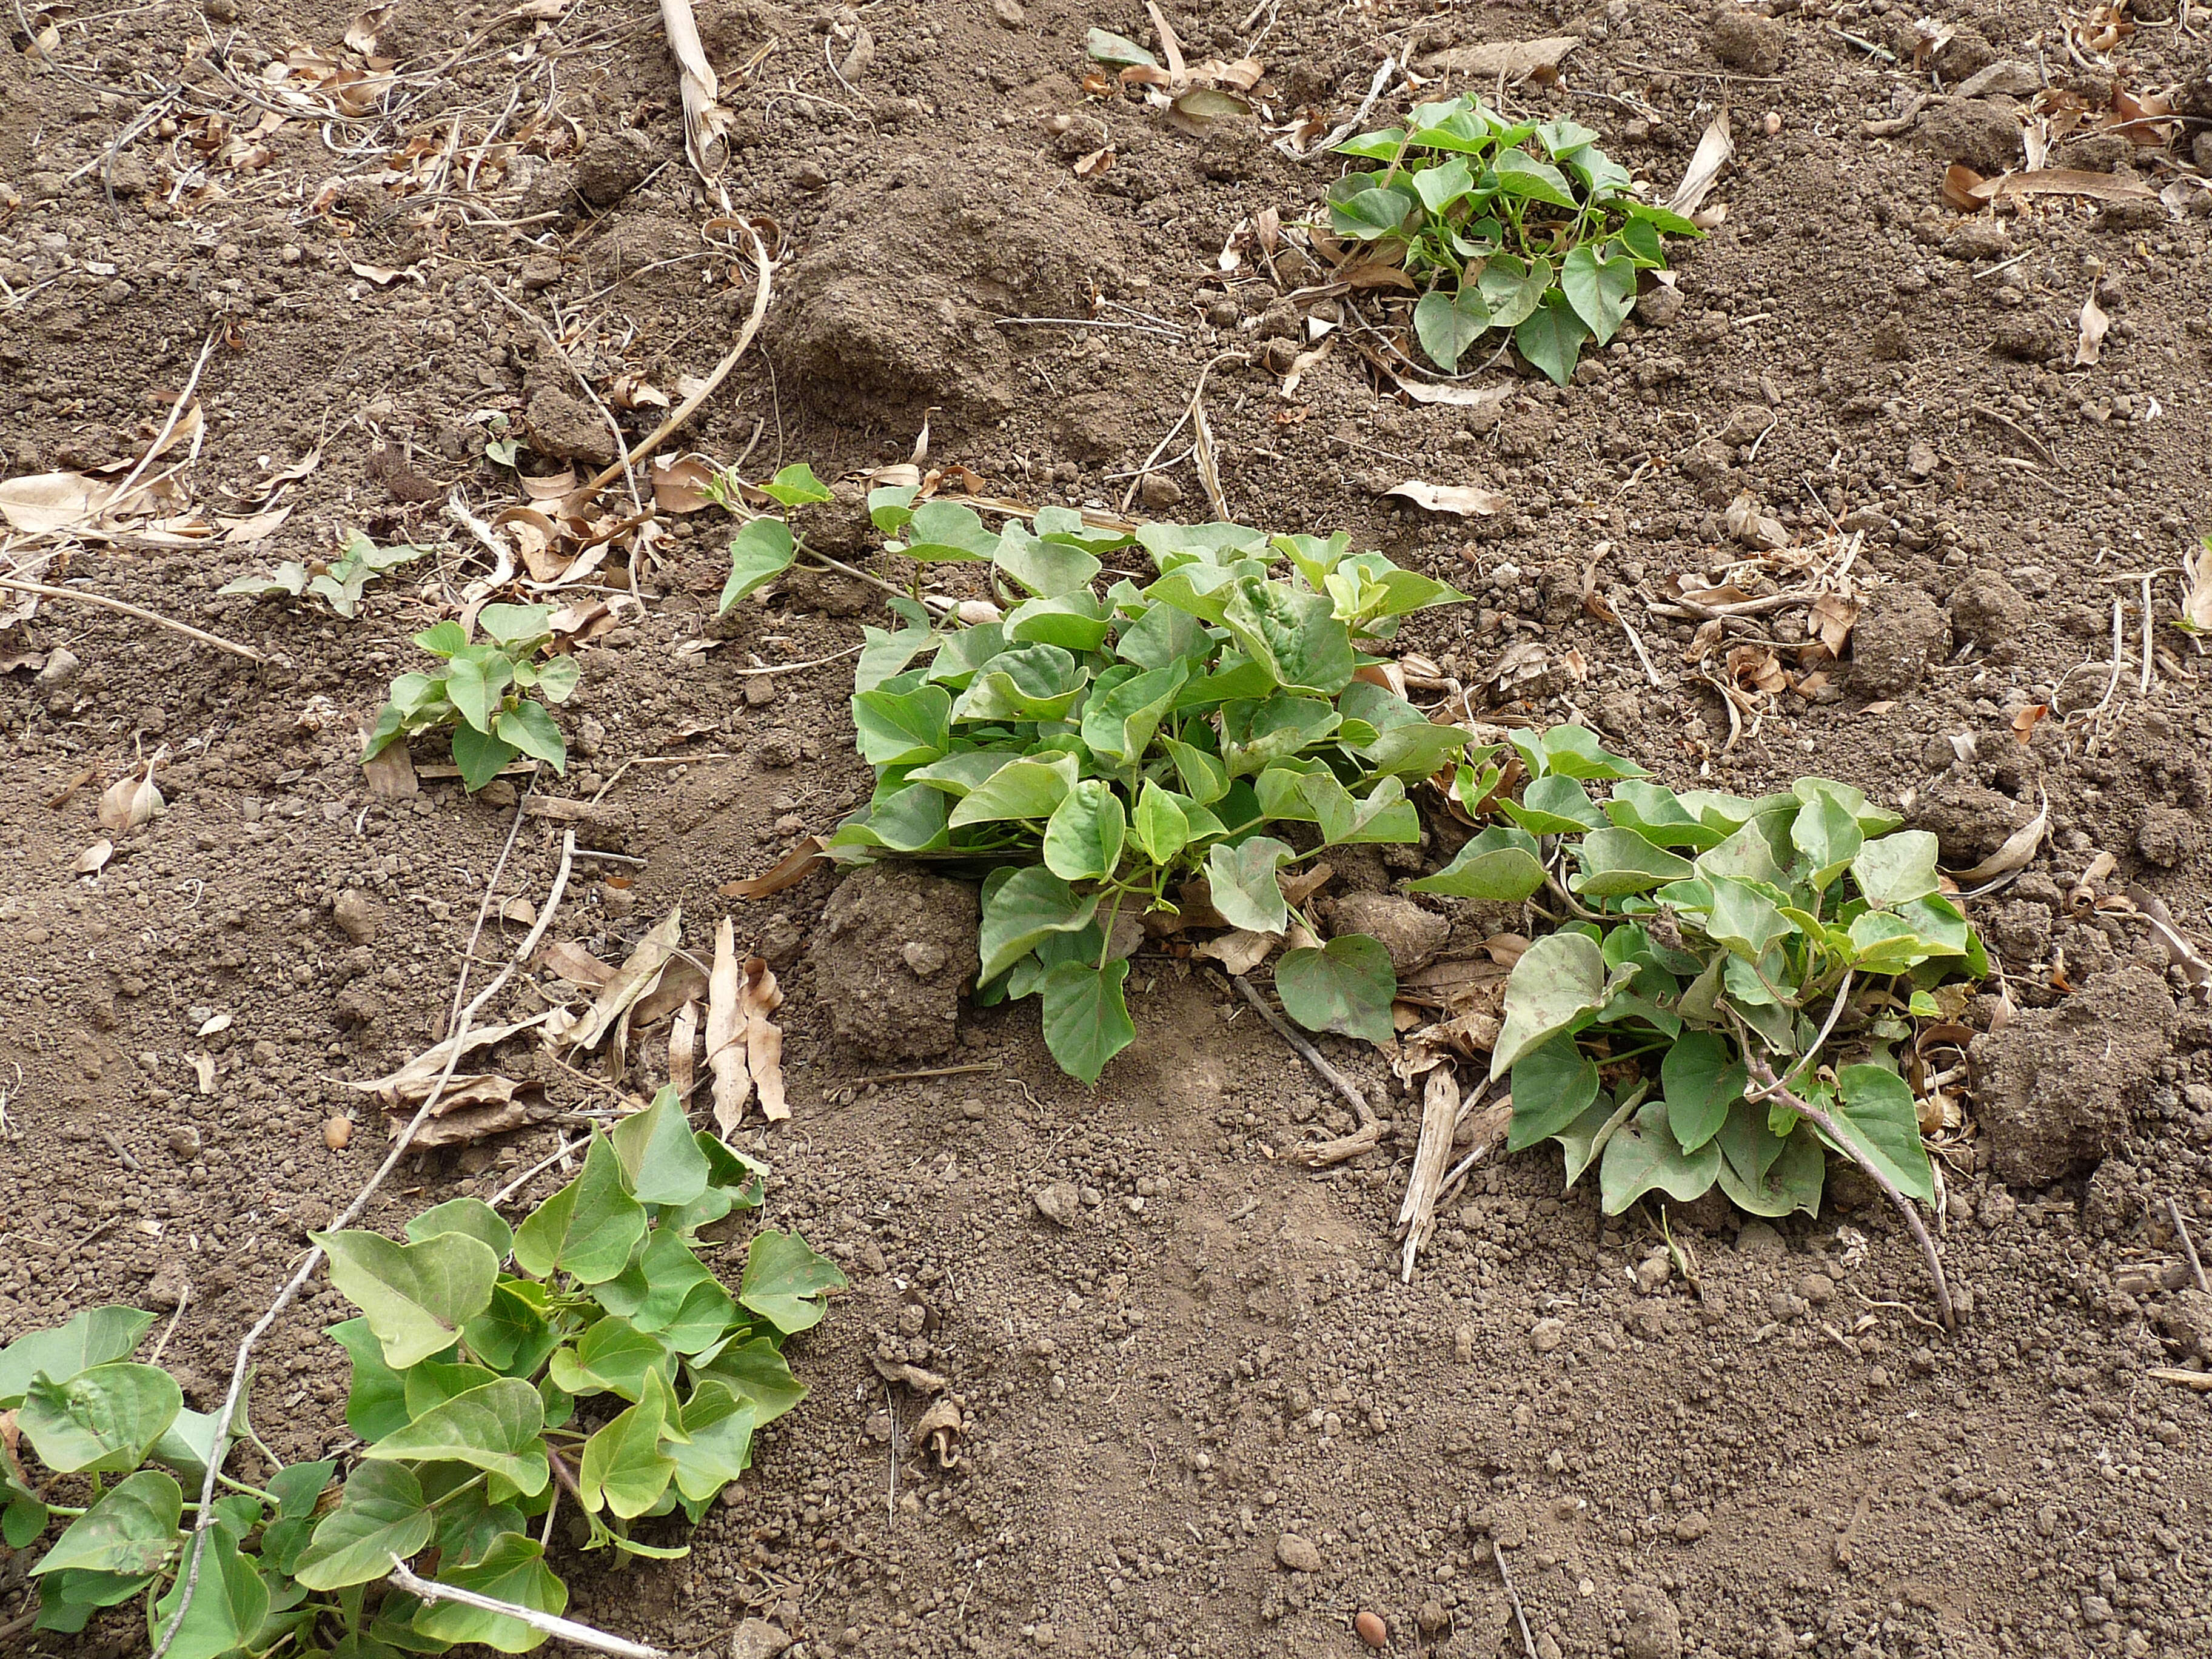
564	1630
129	609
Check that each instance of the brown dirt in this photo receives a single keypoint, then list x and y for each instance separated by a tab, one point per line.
1215	1351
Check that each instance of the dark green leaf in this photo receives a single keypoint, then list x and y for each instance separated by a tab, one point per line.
1523	175
661	1163
378	1402
480	757
228	1606
1104	46
1121	714
719	1422
586	1229
1447	324
513	1570
529	728
494	1427
1086	1019
1028	906
1073	622
1876	1117
1554	806
1600	290
382	1514
472	1216
1370	215
1042	567
1702	1079
613	1356
1618	862
1765	1173
759	1373
1026	788
1159	827
415	1297
903	729
1501	864
1551	337
785	1281
945	532
1553	1083
132	1528
1643	1155
103	1420
94	1337
1347	985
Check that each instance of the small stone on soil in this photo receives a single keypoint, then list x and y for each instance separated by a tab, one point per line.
1548	1335
1059	1203
359	917
1412	935
1745	41
1297	1553
1897	638
1371	1628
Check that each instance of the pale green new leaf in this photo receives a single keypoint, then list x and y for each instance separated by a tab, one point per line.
415	1297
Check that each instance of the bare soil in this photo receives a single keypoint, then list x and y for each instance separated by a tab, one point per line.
1210	1348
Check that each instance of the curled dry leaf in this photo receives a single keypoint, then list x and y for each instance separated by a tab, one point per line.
2180	949
726	1054
214	1027
1515	60
1715	150
1967	191
1090	166
2019	849
94	858
680	482
638	975
2094	321
1832	618
472	1109
2082	895
763	1040
2024	722
131	800
789	871
573	963
411	1083
1240	950
1461	500
390	773
683	1049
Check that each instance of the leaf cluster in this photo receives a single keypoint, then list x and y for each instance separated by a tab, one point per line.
1219	722
588	1351
484	694
1709	928
1525	228
339	581
764	548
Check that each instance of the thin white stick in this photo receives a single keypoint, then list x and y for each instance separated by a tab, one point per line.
176	414
220	1439
566	1630
18	585
2149	642
537	1169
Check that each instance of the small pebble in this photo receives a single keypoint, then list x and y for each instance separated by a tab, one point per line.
336	1132
1372	1631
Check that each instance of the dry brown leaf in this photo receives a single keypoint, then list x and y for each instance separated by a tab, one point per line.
1417	1215
2024	722
472	1109
551	486
382	276
1832	618
1715	150
681	982
572	962
2019	849
2094	322
789	871
253	527
1516	60
726	1053
1090	166
1460	397
411	1083
756	1000
1302	886
94	858
683	1049
1240	950
1966	190
1461	500
360	34
680	482
132	799
638	975
707	123
390	773
43	503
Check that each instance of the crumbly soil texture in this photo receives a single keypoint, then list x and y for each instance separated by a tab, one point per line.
1195	1410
